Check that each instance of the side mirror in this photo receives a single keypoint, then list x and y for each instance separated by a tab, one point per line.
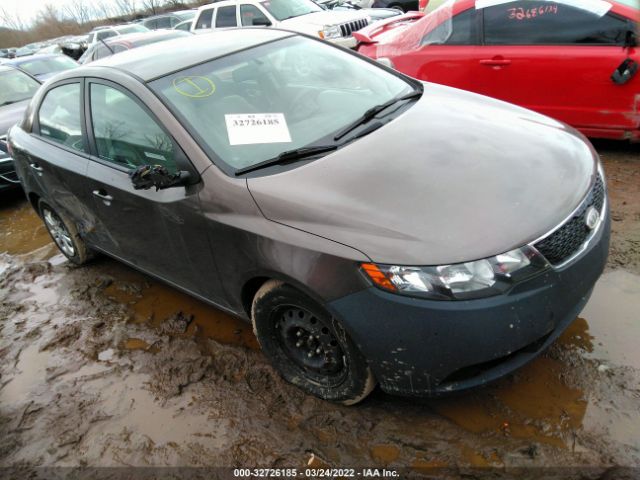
146	176
261	22
632	38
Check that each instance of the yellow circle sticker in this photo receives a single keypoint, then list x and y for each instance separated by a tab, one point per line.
194	87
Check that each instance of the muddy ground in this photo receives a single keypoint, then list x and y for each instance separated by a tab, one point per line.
102	366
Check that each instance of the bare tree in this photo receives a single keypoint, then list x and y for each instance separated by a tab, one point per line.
104	9
125	8
78	11
153	6
12	22
175	4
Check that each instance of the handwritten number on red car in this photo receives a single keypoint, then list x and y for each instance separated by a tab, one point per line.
523	14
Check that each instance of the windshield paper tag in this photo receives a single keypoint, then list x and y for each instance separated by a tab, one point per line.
250	128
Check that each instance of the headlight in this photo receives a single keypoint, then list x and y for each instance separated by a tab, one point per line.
331	32
481	278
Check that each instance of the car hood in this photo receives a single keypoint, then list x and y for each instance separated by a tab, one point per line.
456	177
11	114
326	17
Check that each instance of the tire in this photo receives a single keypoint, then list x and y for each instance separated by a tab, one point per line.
308	347
65	234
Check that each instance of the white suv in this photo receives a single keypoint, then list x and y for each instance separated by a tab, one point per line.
302	16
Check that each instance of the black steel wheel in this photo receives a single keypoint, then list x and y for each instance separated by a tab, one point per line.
307	346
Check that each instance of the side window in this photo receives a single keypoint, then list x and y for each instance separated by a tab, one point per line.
204	20
548	23
251	15
101	35
101	52
150	24
59	116
90	38
226	17
125	133
163	22
459	30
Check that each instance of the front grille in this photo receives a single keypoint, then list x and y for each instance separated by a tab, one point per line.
566	240
348	28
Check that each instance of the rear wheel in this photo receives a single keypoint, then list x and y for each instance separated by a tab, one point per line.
307	346
65	235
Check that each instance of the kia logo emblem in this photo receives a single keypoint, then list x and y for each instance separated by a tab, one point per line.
591	218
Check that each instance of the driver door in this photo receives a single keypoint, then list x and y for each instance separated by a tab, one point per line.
160	232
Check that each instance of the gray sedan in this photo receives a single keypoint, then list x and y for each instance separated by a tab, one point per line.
373	228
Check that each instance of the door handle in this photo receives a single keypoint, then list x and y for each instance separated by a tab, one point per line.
37	168
102	195
495	62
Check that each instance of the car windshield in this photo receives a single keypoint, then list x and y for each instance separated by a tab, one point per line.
39	66
16	86
131	29
283	9
253	105
188	15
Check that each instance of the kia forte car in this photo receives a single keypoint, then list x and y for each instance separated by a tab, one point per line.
372	227
547	56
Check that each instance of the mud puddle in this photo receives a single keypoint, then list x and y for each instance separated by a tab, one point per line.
22	230
162	306
103	366
97	368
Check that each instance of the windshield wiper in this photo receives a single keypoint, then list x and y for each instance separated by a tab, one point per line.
373	111
288	156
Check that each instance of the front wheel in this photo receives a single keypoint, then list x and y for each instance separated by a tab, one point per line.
307	346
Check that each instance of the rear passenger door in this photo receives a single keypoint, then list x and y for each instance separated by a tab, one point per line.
161	232
558	59
59	158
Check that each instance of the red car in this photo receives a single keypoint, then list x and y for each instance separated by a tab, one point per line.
574	60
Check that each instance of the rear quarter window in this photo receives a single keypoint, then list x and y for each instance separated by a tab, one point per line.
59	117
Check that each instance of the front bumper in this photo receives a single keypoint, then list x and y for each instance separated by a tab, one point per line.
426	347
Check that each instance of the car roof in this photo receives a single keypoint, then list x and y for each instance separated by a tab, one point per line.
133	38
161	58
224	3
31	58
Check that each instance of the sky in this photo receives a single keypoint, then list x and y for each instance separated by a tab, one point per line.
27	10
